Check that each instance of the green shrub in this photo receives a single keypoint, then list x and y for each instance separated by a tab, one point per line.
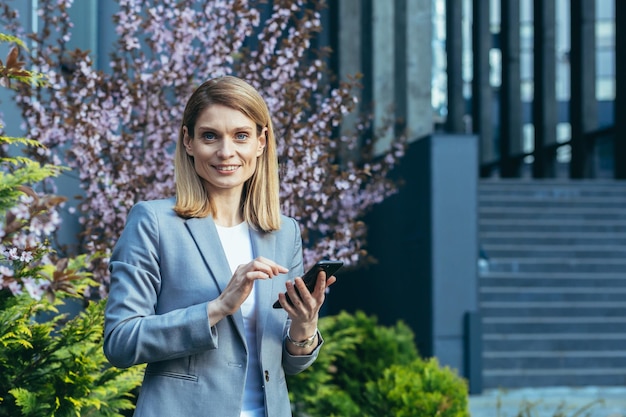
356	350
366	369
420	389
54	367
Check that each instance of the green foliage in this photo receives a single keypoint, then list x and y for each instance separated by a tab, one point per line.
420	389
18	171
365	367
50	364
53	367
12	39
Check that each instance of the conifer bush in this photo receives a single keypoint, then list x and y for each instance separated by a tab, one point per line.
50	364
54	367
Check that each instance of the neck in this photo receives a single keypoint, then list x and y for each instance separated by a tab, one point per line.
228	212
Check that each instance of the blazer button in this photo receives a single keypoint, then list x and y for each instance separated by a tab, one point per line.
267	376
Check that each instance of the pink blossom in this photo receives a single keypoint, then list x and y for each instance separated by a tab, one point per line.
117	129
5	271
15	287
35	287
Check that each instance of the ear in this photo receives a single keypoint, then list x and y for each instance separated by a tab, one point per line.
262	139
187	141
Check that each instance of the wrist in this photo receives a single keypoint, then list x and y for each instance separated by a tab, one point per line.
302	343
215	311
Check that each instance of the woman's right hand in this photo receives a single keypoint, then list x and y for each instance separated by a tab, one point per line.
240	286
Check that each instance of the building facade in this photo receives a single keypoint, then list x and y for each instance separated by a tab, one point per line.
484	89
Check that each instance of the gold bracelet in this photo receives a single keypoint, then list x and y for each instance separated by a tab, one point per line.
308	342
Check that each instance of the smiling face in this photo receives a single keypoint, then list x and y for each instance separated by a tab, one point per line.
225	146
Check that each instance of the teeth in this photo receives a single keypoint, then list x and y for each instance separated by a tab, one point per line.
228	168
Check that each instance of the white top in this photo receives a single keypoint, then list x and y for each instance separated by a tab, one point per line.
238	248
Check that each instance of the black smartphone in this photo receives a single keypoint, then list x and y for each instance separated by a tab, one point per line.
310	278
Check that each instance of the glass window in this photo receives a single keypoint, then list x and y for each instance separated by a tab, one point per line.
605	89
495	64
605	9
564	154
605	63
439	88
605	34
563	80
562	47
527	90
528	138
494	16
563	132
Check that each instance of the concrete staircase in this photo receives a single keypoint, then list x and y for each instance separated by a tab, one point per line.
553	297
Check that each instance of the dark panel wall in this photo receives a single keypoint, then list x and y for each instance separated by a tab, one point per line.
425	241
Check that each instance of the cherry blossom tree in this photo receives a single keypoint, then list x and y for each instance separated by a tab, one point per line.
117	128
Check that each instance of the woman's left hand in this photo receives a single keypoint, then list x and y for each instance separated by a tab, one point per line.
304	309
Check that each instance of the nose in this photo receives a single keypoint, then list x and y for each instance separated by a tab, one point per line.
226	149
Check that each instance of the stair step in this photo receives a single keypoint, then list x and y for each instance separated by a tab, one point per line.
532	200
577	378
615	265
550	337
542	342
539	282
552	289
505	184
608	228
557	371
592	277
561	362
563	212
552	238
552	294
538	189
539	200
556	354
549	222
546	309
510	250
554	377
565	324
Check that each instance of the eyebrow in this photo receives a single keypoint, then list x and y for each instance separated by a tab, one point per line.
236	129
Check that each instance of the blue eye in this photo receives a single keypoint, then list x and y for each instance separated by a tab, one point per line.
208	136
241	136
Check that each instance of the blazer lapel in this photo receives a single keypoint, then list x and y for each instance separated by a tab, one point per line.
207	240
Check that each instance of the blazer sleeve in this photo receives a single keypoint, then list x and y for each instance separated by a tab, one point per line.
293	364
133	332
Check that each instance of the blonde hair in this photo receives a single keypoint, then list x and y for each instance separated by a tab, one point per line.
260	196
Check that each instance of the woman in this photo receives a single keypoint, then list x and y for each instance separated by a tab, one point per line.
193	279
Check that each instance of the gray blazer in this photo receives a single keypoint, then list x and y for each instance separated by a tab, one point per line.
164	270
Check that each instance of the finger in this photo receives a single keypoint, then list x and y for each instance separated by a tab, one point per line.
268	266
311	300
320	284
296	290
258	275
299	284
330	281
282	299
